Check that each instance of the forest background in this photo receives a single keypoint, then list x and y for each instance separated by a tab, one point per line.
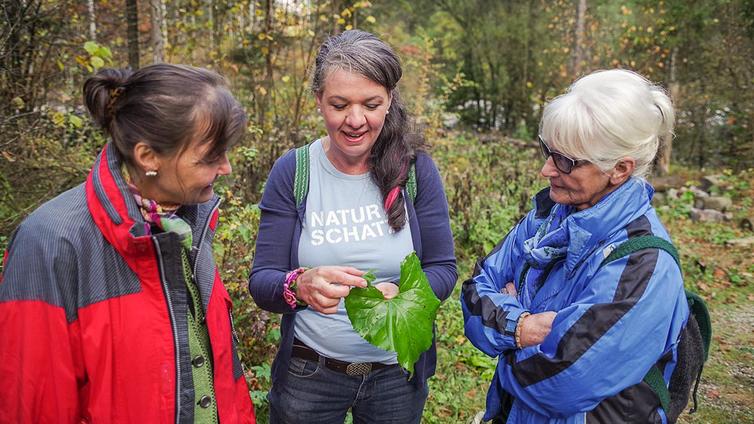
476	75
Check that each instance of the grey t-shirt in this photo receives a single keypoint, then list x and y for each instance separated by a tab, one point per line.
345	224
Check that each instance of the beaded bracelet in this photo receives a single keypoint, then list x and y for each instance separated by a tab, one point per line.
290	285
518	328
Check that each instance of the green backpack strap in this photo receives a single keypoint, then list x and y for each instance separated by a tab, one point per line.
301	178
635	244
656	382
411	182
697	307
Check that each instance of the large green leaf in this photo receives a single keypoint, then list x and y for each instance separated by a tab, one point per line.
402	324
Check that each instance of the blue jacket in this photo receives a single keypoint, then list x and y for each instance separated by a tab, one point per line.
280	231
612	324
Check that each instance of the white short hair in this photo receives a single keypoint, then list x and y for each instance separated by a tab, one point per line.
608	115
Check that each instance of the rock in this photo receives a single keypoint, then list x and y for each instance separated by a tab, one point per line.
699	203
747	223
718	203
672	193
710	181
663	184
658	199
698	192
706	215
741	242
450	120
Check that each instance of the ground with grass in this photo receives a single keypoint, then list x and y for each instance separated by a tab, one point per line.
724	276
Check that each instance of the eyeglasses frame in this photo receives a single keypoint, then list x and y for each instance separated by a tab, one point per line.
547	152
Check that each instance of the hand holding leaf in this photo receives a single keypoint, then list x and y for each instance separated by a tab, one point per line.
402	324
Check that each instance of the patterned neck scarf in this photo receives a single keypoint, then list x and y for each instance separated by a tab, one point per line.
550	241
164	218
549	244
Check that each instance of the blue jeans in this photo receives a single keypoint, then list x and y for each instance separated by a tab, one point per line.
314	394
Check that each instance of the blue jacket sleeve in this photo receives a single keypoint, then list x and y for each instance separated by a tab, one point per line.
624	318
431	206
489	316
279	219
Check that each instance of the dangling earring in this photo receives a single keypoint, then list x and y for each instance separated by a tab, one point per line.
151	173
319	110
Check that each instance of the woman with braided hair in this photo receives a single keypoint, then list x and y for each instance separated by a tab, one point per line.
357	215
111	307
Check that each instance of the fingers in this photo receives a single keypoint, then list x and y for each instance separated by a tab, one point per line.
349	270
510	289
388	289
536	328
334	291
325	305
548	317
323	287
345	275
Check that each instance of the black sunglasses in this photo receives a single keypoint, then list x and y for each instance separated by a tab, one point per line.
562	162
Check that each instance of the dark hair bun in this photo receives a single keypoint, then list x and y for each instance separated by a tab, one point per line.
98	94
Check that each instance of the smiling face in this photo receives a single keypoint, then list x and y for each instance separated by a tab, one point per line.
184	177
187	178
354	109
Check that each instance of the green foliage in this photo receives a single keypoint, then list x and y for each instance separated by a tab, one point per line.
494	70
517	55
402	324
98	56
45	155
262	373
489	185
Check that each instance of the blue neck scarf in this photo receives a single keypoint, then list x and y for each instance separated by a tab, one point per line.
549	244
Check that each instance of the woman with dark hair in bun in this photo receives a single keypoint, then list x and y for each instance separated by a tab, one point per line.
358	214
111	307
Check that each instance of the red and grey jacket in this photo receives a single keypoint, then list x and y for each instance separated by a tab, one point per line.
93	313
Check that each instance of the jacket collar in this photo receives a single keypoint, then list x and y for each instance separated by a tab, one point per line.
594	226
116	213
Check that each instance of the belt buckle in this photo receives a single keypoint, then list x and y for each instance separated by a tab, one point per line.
358	368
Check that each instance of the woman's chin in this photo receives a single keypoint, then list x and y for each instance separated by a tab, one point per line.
557	195
202	196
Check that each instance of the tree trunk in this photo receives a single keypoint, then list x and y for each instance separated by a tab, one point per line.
158	38
164	26
666	145
579	49
132	19
92	20
211	17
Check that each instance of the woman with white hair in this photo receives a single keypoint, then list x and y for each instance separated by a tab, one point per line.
577	334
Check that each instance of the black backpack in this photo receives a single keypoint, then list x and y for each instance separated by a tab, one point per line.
693	344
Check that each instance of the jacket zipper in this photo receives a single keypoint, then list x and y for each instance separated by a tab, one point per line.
175	331
196	263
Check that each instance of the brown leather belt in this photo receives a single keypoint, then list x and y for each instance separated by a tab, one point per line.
303	351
